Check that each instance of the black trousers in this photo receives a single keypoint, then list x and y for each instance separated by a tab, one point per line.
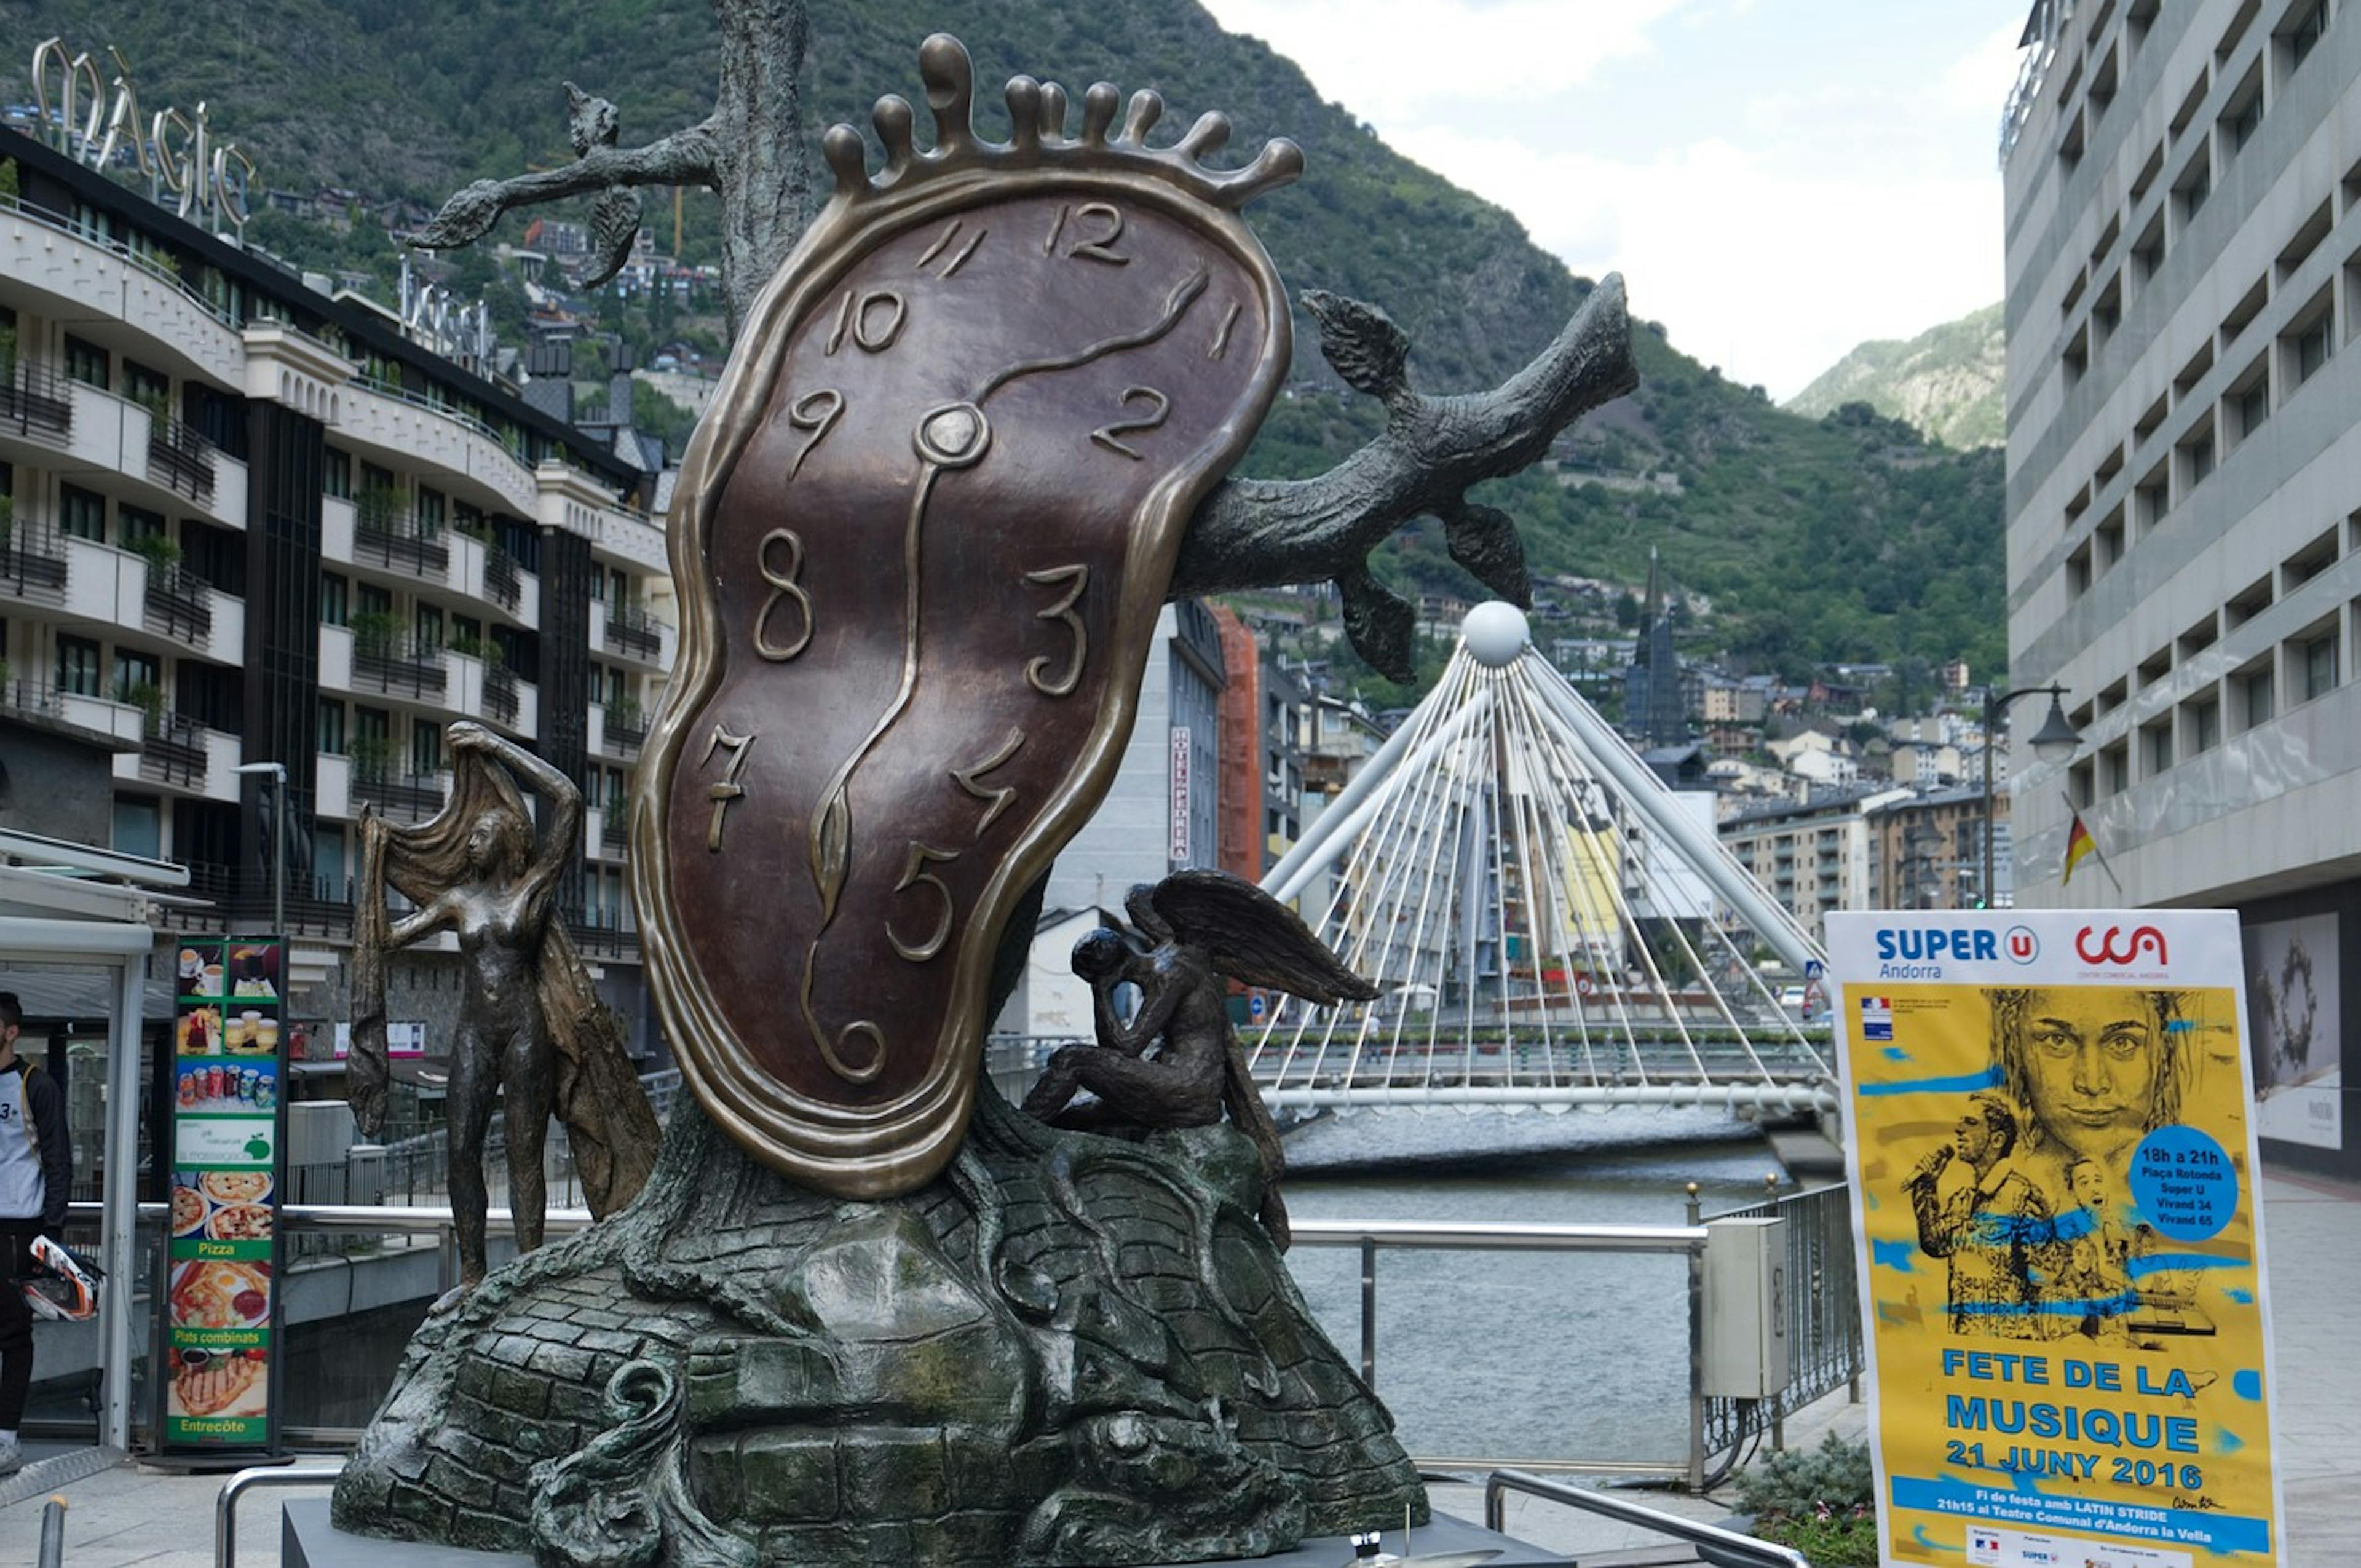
16	1321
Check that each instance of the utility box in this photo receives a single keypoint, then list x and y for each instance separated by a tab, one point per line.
1745	1309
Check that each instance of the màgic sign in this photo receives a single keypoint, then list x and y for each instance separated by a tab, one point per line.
219	1322
2054	1174
922	539
101	128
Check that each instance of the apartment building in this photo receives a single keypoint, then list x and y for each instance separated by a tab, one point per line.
1811	857
2184	486
250	522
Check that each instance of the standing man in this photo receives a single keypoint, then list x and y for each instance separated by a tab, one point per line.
1991	1227
36	1178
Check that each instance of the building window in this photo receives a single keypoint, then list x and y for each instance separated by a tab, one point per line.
78	665
2241	123
2317	661
329	729
2256	695
2196	184
138	827
336	606
336	474
136	678
2250	405
425	747
430	511
2301	33
82	515
2197	457
87	362
133	524
2156	749
2204	726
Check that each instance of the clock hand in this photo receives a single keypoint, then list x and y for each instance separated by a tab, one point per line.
1176	305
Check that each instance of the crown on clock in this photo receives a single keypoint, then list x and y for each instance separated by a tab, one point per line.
1038	111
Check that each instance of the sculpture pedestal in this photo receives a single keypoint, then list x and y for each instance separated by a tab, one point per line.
308	1540
1068	1352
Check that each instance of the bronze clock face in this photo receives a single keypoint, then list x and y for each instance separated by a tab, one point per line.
925	583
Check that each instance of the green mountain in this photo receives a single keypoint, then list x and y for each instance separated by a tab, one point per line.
1947	380
1840	538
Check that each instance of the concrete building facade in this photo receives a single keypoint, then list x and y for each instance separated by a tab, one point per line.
2185	481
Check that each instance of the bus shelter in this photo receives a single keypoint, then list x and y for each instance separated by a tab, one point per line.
70	909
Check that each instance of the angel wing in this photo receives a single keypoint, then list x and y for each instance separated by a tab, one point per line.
1252	937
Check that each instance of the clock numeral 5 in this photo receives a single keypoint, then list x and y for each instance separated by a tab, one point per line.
1105	435
915	874
1036	670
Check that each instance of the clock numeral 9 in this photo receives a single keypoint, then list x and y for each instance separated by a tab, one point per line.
817	412
1106	434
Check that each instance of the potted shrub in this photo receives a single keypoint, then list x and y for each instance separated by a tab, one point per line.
160	550
376	631
379	507
7	522
149	698
1820	1501
372	757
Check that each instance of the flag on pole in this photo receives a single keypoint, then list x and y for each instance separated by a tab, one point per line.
2079	843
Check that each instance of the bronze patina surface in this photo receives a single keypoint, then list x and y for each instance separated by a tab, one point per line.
922	542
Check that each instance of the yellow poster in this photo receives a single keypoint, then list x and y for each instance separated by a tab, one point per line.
2061	1243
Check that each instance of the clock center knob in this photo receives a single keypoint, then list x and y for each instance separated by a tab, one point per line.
953	435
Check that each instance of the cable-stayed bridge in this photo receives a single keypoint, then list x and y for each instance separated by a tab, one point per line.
1549	923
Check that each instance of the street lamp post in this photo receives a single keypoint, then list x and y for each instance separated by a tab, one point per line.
2056	740
278	772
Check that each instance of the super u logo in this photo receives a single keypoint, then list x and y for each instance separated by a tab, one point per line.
2021	945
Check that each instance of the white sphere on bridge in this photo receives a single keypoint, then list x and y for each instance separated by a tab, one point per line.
1496	633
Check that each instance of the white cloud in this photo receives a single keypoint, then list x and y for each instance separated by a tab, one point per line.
1773	272
1771	229
1387	58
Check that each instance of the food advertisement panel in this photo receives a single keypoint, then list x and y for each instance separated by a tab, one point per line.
221	1298
2052	1143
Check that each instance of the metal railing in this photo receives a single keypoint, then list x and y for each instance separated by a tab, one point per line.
631	629
175	604
33	562
500	703
403	797
37	403
181	460
403	544
503	579
245	1481
1728	1546
403	663
1823	1314
626	727
173	751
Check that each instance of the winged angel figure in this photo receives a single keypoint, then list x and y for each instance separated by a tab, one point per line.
1209	928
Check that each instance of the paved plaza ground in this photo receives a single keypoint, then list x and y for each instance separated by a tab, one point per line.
130	1517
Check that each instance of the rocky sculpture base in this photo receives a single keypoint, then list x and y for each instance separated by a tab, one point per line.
1068	1350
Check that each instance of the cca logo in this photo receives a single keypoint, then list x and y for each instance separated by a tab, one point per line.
2021	945
2143	939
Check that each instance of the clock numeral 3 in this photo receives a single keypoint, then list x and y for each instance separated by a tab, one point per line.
1105	435
783	585
1036	670
915	874
857	318
727	788
817	412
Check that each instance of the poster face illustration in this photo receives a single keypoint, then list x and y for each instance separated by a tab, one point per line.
2061	1258
2297	1030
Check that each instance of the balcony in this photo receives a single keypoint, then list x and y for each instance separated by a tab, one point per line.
503	581
634	633
399	797
501	696
625	727
397	664
181	460
33	564
401	544
178	604
615	828
601	934
36	405
172	750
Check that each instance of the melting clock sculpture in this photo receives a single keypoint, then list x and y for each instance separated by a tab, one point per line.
863	1310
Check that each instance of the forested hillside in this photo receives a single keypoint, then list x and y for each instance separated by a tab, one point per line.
1838	538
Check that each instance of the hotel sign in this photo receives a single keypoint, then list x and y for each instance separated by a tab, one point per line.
90	124
1177	851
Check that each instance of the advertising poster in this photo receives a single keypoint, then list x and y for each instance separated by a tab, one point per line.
221	1304
2297	1033
2060	1237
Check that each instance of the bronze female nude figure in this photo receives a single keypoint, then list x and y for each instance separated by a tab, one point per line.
533	1038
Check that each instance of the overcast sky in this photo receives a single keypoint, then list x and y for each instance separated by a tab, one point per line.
1776	180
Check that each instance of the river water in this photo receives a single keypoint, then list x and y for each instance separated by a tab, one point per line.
1520	1356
